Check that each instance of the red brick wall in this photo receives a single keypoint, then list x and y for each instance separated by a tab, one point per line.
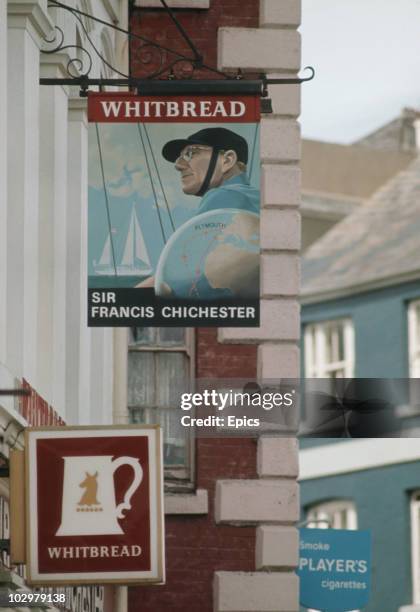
216	360
200	25
36	410
195	546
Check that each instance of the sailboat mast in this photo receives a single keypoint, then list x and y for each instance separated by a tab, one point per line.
134	234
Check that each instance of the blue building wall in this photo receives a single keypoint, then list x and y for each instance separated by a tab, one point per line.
380	325
382	498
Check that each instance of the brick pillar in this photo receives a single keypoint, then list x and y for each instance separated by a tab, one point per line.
271	501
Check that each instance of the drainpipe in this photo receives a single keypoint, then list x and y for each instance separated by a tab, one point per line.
416	125
120	416
120	357
119	407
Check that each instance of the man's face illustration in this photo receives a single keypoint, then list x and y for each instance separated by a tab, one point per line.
192	163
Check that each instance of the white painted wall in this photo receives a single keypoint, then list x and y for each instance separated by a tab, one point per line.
52	241
78	342
23	193
43	216
3	179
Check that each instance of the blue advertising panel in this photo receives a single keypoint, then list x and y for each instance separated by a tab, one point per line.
334	569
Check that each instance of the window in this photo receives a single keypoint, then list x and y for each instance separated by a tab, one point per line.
160	362
335	514
415	545
329	349
414	339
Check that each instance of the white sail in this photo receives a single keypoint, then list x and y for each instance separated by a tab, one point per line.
135	259
141	249
128	259
105	259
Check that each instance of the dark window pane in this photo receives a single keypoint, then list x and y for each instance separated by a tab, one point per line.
172	336
142	335
157	336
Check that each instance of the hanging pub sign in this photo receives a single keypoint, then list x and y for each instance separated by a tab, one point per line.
174	206
334	569
94	505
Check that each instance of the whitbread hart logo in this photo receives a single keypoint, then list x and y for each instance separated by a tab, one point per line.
95	512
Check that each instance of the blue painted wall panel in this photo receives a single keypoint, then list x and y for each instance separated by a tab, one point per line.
380	323
382	498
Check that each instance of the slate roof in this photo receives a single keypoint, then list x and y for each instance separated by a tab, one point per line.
397	135
380	240
328	206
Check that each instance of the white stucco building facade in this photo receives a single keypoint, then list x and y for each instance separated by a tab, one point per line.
45	344
44	337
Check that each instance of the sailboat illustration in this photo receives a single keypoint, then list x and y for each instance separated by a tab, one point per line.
135	260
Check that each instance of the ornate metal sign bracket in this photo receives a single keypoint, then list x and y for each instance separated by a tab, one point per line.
168	70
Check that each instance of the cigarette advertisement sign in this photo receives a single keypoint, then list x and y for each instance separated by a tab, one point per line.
94	505
173	213
334	569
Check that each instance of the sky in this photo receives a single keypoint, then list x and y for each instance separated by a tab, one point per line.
366	54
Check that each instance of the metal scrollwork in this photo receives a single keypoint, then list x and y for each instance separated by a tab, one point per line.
76	66
311	75
181	69
57	39
149	59
153	62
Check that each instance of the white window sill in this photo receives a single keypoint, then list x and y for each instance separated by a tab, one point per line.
187	503
407	411
190	4
412	608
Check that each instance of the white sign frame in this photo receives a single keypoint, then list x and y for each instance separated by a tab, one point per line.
156	575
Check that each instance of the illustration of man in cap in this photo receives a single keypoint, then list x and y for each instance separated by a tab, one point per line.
212	164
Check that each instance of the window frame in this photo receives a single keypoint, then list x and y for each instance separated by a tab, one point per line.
415	544
413	317
176	478
315	345
335	507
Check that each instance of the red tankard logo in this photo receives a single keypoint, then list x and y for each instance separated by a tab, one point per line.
95	501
